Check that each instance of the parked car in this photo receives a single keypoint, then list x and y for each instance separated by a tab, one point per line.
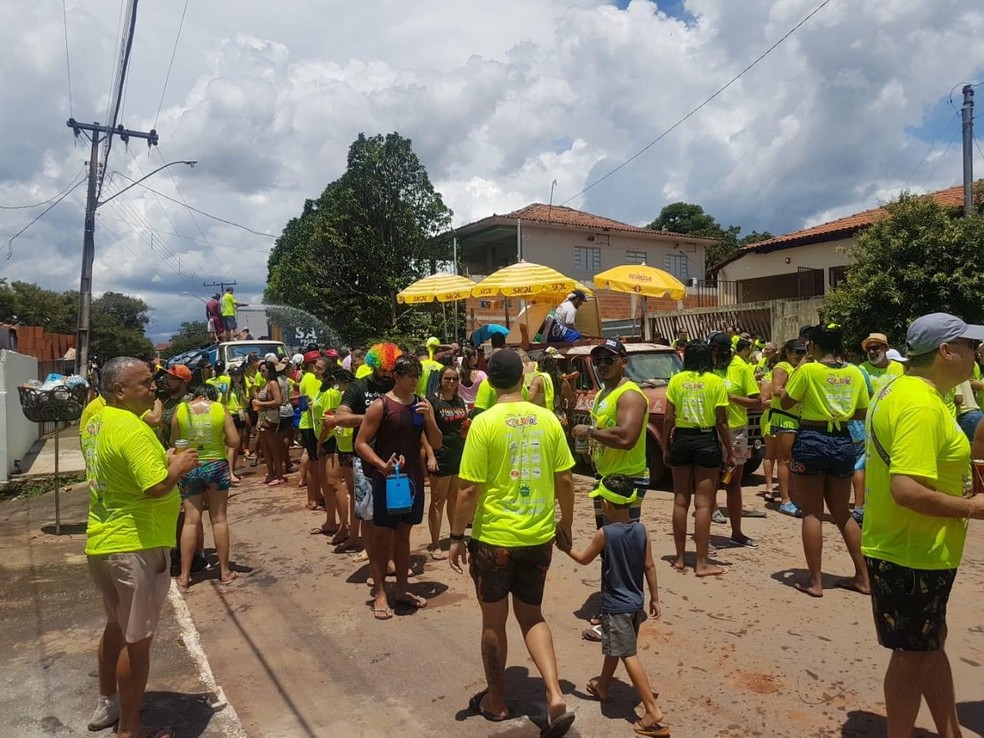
231	353
650	365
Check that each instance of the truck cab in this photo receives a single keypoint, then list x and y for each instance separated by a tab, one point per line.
233	353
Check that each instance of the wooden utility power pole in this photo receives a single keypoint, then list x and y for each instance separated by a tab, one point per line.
968	148
88	237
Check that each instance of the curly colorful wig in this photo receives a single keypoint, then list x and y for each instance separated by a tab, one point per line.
382	356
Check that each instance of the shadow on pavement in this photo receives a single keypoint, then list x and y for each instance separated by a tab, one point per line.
67	529
971	715
864	724
187	714
790	577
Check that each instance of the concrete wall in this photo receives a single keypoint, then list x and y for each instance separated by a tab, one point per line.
788	316
17	433
812	256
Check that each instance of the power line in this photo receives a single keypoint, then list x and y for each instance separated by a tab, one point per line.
171	63
942	157
202	212
10	242
186	237
116	97
68	60
936	144
185	202
165	255
693	112
39	204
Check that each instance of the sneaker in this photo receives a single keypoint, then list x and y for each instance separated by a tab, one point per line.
790	508
107	713
718	517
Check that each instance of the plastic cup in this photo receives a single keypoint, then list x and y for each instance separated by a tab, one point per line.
182	444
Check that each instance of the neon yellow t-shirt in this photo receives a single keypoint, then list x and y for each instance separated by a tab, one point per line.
949	399
123	458
228	305
310	386
326	402
921	440
238	399
222	383
882	376
739	379
91	409
205	431
513	450
605	414
695	398
363	371
428	367
828	394
486	396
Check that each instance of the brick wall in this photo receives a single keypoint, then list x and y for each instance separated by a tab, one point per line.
35	341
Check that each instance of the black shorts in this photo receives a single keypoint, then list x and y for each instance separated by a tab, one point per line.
909	605
238	422
694	446
448	462
345	458
382	518
499	571
310	441
819	452
285	424
329	446
254	417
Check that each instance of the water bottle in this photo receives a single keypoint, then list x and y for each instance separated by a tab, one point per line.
415	415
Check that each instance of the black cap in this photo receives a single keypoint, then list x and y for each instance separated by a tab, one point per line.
505	369
719	339
610	346
797	346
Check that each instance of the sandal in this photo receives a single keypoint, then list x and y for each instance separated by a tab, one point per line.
591	689
592	634
384	614
557	727
230	580
656	730
412	600
475	705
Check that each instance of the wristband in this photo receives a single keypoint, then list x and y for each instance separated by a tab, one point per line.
454	537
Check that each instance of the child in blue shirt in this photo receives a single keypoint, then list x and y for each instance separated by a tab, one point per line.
626	559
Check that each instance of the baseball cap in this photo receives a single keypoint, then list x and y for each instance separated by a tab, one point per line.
331	353
929	332
894	355
797	346
309	357
719	339
295	359
874	338
505	369
433	341
272	357
604	492
577	293
180	371
610	346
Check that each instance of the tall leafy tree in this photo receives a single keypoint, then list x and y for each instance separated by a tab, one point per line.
922	259
191	335
374	230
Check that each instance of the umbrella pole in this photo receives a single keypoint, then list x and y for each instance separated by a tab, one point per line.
646	333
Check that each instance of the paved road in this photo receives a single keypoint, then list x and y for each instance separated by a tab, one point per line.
295	646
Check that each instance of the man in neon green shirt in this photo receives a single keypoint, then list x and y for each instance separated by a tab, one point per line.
915	520
881	368
229	305
743	394
516	464
133	511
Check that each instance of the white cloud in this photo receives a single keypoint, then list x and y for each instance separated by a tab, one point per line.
499	98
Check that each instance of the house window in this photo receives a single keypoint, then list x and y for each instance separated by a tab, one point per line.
838	275
635	257
587	259
676	264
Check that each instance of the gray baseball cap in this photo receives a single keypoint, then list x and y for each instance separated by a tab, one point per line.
928	332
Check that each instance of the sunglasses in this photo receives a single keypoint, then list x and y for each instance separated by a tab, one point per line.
450	379
800	352
602	360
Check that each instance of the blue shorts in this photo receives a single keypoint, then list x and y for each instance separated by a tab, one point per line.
819	452
205	475
859	457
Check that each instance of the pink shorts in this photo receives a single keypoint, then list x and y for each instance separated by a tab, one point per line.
133	587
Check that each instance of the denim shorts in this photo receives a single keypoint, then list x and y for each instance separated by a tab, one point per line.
819	452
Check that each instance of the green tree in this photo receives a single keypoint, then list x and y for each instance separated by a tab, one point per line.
374	230
189	336
118	323
922	259
688	218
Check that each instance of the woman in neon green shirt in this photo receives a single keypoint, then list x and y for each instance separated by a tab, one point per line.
696	440
784	423
207	426
831	393
337	451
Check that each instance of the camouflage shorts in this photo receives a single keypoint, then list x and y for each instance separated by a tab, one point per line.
909	605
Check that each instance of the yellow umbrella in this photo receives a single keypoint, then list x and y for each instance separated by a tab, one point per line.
527	280
639	279
441	287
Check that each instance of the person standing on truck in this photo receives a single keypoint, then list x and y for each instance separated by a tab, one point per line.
743	394
229	305
213	316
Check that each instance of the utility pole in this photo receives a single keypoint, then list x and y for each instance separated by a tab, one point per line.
88	236
968	148
221	285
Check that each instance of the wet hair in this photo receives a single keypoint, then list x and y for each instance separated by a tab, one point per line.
548	365
620	484
205	390
829	339
697	357
469	364
406	365
383	356
498	340
272	372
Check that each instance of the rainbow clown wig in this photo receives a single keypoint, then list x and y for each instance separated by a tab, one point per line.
382	356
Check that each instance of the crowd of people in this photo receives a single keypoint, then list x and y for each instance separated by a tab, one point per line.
487	433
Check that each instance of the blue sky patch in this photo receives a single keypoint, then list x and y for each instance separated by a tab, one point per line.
673	8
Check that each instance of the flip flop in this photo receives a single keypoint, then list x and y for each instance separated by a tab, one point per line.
754	513
438	555
414	601
230	580
475	705
336	540
559	727
656	730
744	541
322	531
593	691
384	614
592	634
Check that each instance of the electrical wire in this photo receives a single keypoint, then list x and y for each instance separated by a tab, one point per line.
170	64
164	254
186	237
185	203
118	88
39	204
201	212
10	241
942	157
68	60
693	112
941	137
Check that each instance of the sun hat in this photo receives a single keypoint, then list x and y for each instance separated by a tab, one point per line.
272	357
929	332
874	338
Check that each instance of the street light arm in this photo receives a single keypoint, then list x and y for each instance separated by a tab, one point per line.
189	162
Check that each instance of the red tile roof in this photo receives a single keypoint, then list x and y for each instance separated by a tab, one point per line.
560	215
836	230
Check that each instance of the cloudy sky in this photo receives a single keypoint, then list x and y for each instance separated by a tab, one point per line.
499	98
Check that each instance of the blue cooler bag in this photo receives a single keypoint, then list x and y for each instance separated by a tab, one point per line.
399	498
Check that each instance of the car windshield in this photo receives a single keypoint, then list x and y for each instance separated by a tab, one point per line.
240	350
653	366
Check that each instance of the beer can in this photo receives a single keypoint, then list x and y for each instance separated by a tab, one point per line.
182	444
